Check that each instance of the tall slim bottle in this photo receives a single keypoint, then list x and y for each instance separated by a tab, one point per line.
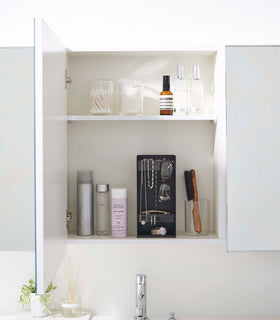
85	203
196	93
166	98
180	93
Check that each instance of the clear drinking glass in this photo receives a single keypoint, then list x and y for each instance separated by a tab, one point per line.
131	96
70	307
100	96
203	206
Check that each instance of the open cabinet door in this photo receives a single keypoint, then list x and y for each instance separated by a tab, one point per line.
50	154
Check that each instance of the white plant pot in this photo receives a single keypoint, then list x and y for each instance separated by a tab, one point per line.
37	308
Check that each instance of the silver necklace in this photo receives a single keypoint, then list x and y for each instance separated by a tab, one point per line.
143	184
150	184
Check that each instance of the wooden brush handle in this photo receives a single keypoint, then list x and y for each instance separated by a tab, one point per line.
196	217
195	198
196	213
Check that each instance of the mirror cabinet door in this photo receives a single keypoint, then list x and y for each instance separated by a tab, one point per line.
50	154
253	147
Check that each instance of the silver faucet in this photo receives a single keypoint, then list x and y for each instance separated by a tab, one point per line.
141	297
172	316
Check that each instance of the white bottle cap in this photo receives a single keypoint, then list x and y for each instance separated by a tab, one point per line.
120	193
196	72
180	72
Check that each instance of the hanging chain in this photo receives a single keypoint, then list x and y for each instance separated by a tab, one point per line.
150	184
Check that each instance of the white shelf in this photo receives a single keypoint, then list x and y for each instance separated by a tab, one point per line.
176	51
181	238
141	118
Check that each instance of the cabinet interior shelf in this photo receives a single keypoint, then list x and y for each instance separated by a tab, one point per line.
75	239
140	117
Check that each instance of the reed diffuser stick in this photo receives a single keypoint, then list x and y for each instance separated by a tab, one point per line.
71	286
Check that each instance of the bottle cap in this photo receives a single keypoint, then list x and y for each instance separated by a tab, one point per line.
166	83
196	72
102	187
180	72
85	176
119	193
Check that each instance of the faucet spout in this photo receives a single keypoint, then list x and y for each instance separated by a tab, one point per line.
141	299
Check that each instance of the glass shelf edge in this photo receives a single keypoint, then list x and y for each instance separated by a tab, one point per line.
75	239
141	118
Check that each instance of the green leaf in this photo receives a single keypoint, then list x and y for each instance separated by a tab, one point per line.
24	299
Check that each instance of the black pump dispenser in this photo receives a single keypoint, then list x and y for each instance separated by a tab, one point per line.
166	83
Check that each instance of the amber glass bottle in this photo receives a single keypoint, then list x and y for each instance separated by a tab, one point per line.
166	98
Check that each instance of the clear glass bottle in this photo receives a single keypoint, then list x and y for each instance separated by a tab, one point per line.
102	210
85	203
180	93
196	93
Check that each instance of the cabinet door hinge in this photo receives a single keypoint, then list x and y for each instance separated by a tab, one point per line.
67	79
68	219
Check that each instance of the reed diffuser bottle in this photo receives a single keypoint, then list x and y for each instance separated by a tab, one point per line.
166	98
71	303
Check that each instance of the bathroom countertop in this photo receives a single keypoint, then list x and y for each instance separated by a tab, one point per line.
192	317
86	316
26	315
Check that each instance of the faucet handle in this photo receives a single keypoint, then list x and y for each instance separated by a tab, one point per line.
172	316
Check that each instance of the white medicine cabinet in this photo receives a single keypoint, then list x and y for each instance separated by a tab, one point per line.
68	139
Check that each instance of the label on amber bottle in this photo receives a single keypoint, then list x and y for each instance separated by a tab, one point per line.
166	102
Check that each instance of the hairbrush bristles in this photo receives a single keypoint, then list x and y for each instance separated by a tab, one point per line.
189	185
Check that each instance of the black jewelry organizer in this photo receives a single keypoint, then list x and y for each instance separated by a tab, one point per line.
156	196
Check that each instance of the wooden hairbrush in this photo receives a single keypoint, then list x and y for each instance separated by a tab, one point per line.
191	189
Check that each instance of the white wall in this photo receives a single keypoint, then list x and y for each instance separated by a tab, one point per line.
186	278
116	24
16	268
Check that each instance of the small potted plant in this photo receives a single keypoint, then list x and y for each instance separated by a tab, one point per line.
39	303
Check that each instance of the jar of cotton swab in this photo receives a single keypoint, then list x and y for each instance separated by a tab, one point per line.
100	96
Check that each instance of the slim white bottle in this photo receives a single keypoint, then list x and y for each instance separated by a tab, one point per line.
181	93
196	92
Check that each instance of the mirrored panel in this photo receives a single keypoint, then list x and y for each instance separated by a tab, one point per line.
16	149
253	147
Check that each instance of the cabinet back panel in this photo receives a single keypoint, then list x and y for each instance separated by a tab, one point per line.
109	148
